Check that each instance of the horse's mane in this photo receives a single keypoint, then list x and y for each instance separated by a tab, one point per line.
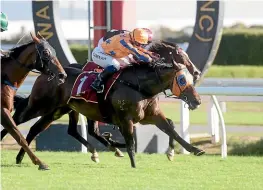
162	46
15	52
158	46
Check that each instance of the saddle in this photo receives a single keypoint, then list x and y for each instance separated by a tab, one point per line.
82	90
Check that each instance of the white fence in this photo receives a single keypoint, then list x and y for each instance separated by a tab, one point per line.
241	94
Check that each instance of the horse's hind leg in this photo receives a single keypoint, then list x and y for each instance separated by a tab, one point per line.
42	124
72	130
9	124
94	131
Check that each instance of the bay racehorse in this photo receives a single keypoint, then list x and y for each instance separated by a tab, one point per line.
38	55
132	98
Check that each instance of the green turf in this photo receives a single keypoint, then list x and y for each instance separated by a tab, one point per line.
235	71
77	171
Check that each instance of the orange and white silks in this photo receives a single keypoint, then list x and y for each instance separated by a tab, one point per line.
119	46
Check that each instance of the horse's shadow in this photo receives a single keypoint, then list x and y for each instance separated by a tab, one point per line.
15	166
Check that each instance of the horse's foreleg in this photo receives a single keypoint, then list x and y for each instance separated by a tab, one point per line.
94	131
9	124
170	152
42	124
162	123
127	132
20	104
72	130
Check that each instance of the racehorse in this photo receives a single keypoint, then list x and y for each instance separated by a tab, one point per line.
137	87
38	55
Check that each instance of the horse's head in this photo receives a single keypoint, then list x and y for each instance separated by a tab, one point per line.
46	60
171	51
183	86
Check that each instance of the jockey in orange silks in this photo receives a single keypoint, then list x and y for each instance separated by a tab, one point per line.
116	48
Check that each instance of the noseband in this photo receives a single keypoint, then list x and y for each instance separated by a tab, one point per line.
44	55
39	59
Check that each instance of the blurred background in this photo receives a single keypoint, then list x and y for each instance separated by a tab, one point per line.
238	62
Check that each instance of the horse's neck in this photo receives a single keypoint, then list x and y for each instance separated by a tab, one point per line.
15	72
151	81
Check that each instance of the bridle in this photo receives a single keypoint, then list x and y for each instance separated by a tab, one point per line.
157	65
38	64
46	56
160	62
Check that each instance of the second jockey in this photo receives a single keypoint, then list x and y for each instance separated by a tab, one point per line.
114	49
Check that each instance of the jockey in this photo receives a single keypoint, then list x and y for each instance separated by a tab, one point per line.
114	32
115	50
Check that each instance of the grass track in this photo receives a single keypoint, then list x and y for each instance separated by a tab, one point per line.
77	171
235	71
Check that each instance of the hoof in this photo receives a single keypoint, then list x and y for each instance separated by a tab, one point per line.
170	155
18	160
95	157
118	153
43	167
170	158
199	152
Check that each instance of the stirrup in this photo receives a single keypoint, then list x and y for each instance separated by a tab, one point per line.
98	87
101	90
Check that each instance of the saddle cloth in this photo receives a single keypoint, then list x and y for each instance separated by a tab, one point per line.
81	88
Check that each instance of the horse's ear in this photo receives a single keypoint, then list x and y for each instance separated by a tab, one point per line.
35	39
39	35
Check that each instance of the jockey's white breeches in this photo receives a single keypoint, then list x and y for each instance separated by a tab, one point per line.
100	42
104	60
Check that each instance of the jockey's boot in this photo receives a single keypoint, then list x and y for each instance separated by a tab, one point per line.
98	84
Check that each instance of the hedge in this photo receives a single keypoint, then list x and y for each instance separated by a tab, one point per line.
237	47
80	52
240	47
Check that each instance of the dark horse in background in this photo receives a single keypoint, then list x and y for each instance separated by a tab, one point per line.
38	55
137	88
